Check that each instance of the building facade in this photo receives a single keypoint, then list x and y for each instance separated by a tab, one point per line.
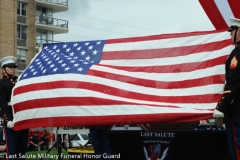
26	24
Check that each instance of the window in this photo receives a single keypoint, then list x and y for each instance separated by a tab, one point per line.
21	30
44	36
46	12
21	9
21	59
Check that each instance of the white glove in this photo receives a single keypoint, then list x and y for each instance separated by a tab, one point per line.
217	114
10	124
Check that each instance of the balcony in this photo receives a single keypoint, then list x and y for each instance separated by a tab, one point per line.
55	5
52	24
44	41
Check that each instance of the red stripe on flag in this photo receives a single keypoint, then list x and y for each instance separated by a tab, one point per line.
73	121
165	52
213	14
175	68
215	79
71	101
234	5
206	98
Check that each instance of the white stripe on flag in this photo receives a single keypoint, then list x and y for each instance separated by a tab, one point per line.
167	43
60	111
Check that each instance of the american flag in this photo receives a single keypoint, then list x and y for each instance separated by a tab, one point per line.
155	151
161	78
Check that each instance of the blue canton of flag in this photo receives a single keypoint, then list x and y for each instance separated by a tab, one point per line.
157	148
63	58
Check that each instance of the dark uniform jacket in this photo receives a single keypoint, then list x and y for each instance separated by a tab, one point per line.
6	86
35	140
229	103
44	139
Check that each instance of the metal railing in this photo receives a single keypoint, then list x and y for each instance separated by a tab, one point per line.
21	42
61	2
52	21
44	41
21	19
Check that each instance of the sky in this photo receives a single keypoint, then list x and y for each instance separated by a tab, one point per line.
110	19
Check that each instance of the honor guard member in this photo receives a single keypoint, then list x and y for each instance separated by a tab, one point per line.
16	141
44	140
34	141
229	104
101	144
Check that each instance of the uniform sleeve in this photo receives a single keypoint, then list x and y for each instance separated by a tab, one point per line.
42	138
232	83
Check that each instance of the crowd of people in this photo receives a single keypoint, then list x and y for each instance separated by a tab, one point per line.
35	143
41	143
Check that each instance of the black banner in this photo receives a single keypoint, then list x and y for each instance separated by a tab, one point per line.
174	145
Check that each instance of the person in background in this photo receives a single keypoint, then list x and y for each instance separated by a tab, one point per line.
100	142
16	141
2	140
44	140
2	137
229	104
41	18
34	141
